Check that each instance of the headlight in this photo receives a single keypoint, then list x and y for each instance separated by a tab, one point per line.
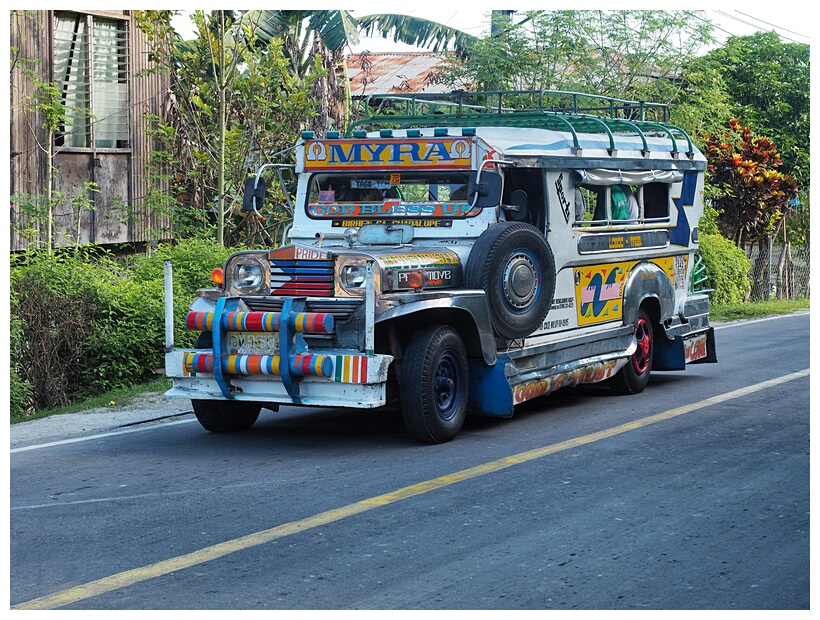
248	275
353	276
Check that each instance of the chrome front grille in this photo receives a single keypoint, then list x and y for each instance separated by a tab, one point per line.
301	277
341	308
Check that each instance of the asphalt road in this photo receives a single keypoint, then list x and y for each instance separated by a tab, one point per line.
691	495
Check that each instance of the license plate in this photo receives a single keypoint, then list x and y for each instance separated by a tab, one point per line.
695	348
252	343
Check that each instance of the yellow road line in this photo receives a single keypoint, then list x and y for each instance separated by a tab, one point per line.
137	575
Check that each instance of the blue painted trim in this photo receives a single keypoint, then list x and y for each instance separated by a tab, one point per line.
290	343
490	391
223	305
681	232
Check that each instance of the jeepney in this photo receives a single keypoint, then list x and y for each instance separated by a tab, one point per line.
461	255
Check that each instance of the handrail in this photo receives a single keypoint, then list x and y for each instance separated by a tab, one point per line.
563	110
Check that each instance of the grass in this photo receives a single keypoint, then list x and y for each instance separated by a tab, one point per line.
756	309
732	312
119	397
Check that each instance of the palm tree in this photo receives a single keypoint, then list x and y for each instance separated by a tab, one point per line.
318	39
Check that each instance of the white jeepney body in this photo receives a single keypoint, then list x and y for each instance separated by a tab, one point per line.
505	236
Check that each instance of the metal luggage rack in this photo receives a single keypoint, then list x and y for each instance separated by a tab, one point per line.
539	109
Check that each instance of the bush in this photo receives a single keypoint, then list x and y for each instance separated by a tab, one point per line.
727	267
56	306
20	390
84	323
193	261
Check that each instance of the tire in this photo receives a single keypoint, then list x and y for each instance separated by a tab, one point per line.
434	384
513	263
219	416
633	377
205	340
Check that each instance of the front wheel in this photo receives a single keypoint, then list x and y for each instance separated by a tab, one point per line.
633	377
434	384
219	416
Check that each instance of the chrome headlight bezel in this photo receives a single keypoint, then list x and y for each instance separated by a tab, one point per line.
248	273
351	275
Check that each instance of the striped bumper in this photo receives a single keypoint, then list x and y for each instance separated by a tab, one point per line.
283	362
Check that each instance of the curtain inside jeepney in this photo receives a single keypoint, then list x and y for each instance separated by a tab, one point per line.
600	176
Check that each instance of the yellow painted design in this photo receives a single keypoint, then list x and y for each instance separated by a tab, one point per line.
599	289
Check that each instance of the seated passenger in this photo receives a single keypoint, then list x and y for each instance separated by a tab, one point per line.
624	203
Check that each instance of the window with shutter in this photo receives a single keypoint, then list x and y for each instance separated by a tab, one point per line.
91	67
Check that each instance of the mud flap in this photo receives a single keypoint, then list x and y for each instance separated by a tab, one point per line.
672	355
490	392
669	354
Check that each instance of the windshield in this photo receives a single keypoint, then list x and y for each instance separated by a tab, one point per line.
421	194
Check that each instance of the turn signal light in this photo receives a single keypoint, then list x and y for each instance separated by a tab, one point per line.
416	279
218	276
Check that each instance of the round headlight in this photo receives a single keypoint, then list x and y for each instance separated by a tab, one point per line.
353	276
248	275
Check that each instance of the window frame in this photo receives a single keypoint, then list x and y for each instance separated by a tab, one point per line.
604	192
122	60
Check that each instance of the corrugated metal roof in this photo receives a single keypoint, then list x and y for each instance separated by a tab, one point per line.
395	72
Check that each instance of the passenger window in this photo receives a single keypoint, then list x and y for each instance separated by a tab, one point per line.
656	201
652	204
586	202
524	198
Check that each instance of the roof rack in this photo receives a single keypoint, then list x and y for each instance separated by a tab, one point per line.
540	109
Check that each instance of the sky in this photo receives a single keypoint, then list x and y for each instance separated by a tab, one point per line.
740	19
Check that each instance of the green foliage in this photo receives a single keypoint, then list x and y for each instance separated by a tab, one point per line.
608	53
56	304
756	309
768	82
20	390
84	323
727	267
703	104
239	104
750	194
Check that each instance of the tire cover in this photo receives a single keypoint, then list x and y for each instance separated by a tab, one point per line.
514	264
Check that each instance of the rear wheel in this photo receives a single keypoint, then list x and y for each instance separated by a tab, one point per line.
434	384
633	377
219	416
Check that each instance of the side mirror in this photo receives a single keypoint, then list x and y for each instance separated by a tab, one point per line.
254	194
488	189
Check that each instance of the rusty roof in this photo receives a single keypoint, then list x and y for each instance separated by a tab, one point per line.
395	72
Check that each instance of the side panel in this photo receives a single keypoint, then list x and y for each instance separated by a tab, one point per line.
612	291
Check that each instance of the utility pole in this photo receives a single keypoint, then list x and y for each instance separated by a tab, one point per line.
501	20
220	228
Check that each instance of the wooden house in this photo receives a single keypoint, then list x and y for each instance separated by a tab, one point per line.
96	60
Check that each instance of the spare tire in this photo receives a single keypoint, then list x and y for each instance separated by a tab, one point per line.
513	263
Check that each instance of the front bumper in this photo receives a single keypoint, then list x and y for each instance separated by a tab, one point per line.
355	380
264	357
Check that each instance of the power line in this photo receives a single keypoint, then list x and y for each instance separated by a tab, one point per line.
772	25
742	21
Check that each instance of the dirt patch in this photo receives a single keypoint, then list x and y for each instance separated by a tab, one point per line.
145	408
